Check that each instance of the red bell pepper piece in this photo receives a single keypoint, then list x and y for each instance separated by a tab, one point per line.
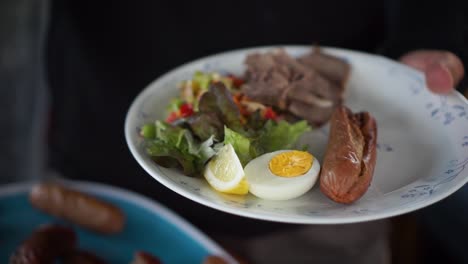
186	110
236	81
172	117
270	114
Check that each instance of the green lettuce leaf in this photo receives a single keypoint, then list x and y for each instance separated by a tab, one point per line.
206	150
162	151
240	143
272	137
202	79
169	134
228	110
279	135
218	100
174	105
176	143
216	110
148	131
205	125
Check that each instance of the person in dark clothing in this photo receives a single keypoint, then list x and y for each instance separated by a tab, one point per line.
101	54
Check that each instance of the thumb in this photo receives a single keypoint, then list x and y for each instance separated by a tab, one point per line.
443	69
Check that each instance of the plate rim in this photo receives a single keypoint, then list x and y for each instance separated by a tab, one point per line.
139	200
145	91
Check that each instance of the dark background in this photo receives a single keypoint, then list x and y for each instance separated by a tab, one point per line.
98	55
101	55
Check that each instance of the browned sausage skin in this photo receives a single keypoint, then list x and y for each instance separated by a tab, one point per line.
82	257
349	161
45	245
214	260
77	207
142	257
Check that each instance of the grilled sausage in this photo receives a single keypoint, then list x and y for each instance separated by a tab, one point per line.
77	207
142	257
45	245
214	260
82	257
351	154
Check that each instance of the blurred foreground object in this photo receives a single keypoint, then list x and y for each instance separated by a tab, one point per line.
77	207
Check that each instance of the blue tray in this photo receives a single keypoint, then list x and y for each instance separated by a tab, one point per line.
149	227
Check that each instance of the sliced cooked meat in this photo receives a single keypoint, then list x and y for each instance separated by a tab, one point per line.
313	84
315	115
267	88
277	79
258	64
331	67
289	65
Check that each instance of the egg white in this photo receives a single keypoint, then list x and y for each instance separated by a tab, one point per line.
266	185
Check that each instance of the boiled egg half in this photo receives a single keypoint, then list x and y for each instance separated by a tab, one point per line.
282	175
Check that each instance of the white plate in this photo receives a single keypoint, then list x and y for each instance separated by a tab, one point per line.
422	142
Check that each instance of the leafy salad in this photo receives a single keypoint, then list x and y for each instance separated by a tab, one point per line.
212	112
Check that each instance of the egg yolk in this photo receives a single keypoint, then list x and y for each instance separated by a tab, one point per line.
291	163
